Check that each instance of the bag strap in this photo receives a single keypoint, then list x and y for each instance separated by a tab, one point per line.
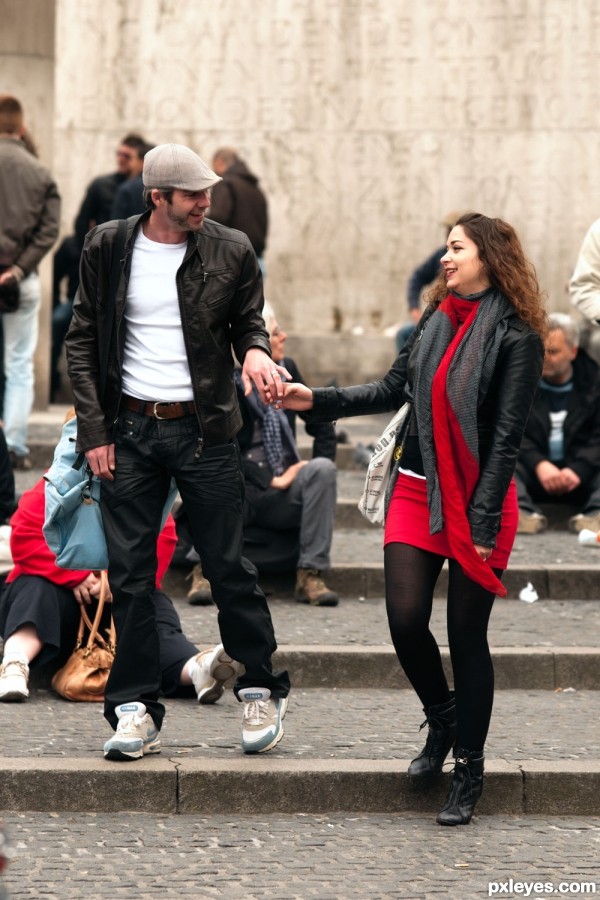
111	302
93	627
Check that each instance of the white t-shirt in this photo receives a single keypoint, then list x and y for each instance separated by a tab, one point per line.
155	365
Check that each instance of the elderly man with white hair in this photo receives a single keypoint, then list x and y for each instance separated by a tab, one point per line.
559	460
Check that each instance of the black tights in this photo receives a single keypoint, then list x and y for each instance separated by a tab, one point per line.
410	577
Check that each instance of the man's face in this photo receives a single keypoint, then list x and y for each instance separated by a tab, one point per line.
128	161
187	210
278	337
558	358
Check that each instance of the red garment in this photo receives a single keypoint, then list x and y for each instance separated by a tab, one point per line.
460	471
407	522
32	556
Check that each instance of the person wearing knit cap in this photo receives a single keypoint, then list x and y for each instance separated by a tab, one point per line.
152	379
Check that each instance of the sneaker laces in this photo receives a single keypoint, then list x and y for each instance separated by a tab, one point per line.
21	666
256	711
128	724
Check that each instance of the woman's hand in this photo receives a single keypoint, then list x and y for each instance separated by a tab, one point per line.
281	482
295	396
483	552
89	588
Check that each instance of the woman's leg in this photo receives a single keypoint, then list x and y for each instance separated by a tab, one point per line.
469	608
410	577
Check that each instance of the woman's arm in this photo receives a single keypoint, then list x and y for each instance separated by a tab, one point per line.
517	376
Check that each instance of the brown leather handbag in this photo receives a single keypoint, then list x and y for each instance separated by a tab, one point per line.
84	675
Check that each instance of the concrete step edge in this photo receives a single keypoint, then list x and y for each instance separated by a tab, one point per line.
262	785
376	667
355	580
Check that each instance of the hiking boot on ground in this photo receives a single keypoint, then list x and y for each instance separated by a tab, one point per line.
531	523
591	521
135	736
262	720
200	593
310	588
14	674
213	668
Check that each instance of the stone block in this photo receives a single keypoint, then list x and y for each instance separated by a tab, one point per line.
81	785
561	787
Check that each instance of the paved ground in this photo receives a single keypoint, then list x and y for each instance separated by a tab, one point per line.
139	857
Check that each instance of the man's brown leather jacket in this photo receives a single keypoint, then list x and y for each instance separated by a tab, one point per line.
220	299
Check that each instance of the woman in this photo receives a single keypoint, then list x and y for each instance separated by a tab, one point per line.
470	371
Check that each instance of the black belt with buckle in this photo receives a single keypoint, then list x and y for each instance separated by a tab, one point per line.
159	409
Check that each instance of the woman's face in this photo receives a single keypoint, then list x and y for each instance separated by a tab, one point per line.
463	269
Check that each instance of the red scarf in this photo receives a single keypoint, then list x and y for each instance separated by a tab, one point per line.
458	470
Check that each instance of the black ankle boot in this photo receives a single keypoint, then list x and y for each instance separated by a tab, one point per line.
441	720
466	788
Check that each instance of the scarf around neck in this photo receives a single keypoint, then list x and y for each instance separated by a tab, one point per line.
455	361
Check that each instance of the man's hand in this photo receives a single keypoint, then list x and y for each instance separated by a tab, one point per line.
554	480
101	461
260	369
281	482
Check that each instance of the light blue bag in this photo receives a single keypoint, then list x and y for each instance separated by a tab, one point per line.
73	526
73	523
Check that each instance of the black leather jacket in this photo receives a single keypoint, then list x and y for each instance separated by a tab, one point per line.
502	414
220	299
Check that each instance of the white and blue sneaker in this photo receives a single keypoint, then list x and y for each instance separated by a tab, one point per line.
262	721
136	733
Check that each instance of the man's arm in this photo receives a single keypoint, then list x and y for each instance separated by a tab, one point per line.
585	283
43	236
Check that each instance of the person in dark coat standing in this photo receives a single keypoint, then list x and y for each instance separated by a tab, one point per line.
238	202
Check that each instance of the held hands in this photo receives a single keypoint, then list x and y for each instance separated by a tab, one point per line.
294	396
89	588
268	377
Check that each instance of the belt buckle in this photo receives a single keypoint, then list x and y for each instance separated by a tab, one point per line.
154	412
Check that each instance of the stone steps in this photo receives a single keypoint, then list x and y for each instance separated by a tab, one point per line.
342	750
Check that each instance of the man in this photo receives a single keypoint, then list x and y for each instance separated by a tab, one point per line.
96	206
129	196
238	202
559	460
189	293
284	492
29	221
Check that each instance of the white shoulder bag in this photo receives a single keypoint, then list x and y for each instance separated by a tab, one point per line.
372	501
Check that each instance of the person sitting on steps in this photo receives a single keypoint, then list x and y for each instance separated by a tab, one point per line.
39	616
282	491
559	459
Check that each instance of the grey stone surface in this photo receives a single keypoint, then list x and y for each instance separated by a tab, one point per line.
292	857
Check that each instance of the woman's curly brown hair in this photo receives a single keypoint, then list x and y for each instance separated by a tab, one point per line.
507	268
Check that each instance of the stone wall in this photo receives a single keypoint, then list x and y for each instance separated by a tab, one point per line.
367	121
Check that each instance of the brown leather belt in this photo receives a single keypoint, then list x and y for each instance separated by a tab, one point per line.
159	409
